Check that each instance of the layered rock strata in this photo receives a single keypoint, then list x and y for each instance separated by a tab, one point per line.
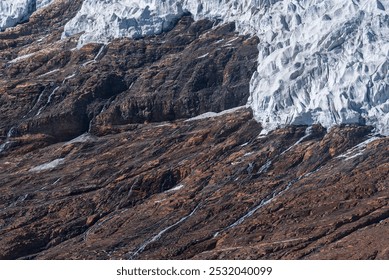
111	151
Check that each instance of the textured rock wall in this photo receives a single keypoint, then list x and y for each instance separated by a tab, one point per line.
319	61
109	152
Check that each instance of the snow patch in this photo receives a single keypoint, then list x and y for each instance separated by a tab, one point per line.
48	101
47	166
176	188
308	132
265	167
69	77
205	55
213	114
357	150
48	73
83	138
20	58
5	146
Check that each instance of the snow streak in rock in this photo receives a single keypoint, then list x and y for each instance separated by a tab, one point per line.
159	235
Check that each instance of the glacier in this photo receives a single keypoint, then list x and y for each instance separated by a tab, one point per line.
323	62
13	12
320	61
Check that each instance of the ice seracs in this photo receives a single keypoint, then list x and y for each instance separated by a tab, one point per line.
323	62
13	12
100	20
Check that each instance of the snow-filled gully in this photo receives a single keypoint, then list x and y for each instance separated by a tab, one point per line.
357	150
97	56
269	162
270	198
50	97
7	142
261	204
48	101
349	154
156	237
276	193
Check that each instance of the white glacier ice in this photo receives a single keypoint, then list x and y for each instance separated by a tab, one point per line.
101	20
42	3
323	62
320	61
13	12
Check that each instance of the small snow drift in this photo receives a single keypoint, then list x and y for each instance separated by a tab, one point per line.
47	166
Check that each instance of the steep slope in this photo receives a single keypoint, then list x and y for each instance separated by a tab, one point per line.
204	189
187	72
110	151
319	61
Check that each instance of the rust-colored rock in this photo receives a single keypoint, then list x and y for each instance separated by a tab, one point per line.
100	157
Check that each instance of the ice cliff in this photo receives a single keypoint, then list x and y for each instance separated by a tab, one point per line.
13	12
320	61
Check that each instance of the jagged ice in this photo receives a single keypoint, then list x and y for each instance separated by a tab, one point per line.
13	12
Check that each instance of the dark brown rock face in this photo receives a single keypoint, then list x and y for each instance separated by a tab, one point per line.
211	188
100	157
63	92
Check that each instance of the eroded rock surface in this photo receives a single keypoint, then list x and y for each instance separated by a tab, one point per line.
101	158
108	197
